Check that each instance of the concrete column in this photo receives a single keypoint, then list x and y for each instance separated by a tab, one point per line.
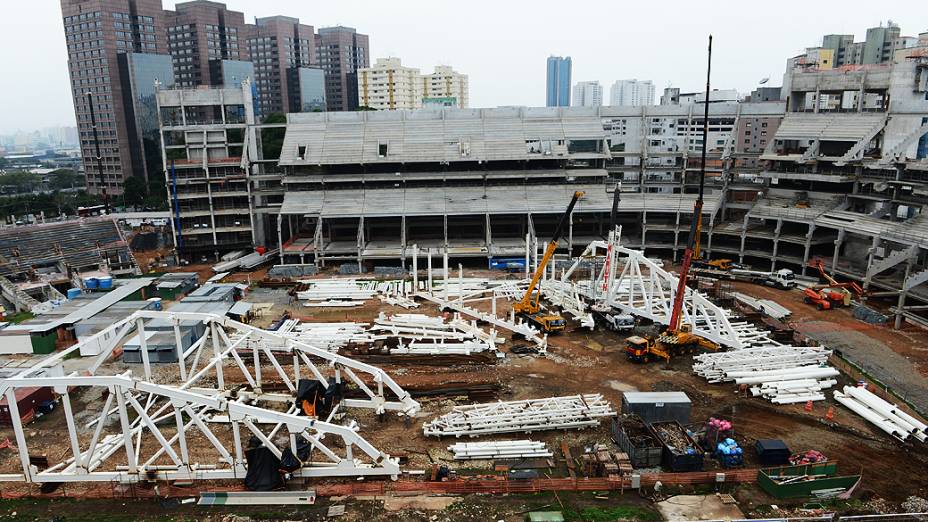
280	238
870	255
808	245
834	257
744	232
900	304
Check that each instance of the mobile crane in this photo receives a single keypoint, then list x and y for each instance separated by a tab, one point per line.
529	306
603	313
678	338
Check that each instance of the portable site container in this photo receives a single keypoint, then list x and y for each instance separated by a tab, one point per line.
767	479
680	451
636	440
28	401
657	406
771	452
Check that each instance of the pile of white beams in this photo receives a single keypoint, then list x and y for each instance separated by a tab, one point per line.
553	413
884	415
765	306
433	335
781	374
503	449
353	292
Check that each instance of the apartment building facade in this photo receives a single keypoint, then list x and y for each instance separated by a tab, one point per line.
632	93
208	44
587	94
341	52
200	35
97	33
447	86
277	46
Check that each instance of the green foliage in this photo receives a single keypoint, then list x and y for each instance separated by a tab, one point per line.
53	204
272	140
134	190
20	181
366	108
3	162
19	317
65	179
610	514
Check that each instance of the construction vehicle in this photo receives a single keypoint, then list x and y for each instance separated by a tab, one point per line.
529	306
678	338
603	313
717	264
833	294
784	278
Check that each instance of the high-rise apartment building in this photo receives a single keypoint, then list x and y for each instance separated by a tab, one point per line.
879	47
587	94
340	52
277	45
98	33
632	93
201	33
388	85
558	81
446	86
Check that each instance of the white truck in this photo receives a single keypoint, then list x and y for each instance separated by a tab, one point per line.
783	278
613	319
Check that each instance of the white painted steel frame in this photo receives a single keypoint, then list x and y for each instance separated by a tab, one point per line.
195	400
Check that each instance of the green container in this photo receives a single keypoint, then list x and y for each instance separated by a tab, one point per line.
44	342
804	488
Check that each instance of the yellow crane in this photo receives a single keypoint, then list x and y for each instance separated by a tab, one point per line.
529	306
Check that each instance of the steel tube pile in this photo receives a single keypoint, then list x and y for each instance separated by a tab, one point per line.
781	374
882	414
505	449
576	411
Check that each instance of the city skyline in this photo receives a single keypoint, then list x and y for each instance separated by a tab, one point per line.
41	99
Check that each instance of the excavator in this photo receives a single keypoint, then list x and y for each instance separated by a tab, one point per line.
679	338
529	306
831	295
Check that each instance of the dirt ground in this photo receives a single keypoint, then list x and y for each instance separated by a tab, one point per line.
581	361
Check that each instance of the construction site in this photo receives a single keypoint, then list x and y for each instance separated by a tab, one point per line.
490	314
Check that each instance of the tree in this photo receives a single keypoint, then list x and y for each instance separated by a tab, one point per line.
272	140
65	179
366	108
20	181
134	191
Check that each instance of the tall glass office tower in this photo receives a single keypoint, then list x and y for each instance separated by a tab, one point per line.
558	85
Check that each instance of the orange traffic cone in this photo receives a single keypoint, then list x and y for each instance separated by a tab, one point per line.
830	415
808	406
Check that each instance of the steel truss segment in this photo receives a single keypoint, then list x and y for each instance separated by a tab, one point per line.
577	411
155	419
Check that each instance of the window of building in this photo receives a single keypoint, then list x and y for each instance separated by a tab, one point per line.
382	149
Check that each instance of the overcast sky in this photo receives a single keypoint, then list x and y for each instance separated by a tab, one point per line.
502	45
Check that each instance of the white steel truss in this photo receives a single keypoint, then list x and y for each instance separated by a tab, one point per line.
213	406
633	284
575	411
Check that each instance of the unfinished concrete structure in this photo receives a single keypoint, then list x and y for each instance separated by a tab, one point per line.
208	147
836	171
473	183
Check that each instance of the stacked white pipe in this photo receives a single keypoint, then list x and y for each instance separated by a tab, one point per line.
576	411
504	449
884	415
781	374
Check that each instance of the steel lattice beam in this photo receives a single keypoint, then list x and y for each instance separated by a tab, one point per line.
135	438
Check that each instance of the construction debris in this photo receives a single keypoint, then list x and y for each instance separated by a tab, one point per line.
576	411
